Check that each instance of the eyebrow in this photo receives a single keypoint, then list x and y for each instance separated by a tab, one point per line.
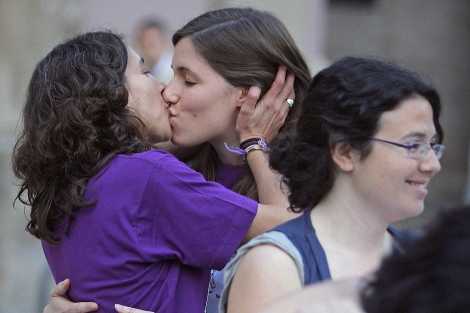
185	70
419	135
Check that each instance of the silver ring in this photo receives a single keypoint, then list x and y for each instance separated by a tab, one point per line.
290	102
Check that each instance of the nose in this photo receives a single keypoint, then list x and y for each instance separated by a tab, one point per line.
171	93
430	164
160	87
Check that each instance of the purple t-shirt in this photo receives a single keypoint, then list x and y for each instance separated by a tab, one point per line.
228	175
152	236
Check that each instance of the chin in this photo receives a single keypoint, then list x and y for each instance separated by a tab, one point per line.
166	137
411	212
175	141
183	143
155	139
402	213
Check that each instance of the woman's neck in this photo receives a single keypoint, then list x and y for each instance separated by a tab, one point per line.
352	233
347	221
224	155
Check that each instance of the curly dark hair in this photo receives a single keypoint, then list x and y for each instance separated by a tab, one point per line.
344	102
433	276
75	120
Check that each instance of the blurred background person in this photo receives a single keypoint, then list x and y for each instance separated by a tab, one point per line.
151	41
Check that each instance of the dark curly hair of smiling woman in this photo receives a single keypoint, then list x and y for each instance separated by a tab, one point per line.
75	120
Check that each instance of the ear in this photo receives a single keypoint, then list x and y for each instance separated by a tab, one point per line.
245	95
344	156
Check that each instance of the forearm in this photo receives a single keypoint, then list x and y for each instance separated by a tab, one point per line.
273	208
268	182
268	217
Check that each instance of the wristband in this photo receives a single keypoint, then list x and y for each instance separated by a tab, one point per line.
253	148
254	141
248	145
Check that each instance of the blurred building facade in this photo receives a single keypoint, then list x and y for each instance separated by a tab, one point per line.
430	36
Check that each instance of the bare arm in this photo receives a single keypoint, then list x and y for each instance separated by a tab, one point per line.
263	119
265	273
326	297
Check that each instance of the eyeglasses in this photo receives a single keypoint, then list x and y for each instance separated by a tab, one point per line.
417	151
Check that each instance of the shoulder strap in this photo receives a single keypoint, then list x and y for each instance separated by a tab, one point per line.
302	235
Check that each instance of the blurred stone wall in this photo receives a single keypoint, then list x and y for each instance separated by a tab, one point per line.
28	28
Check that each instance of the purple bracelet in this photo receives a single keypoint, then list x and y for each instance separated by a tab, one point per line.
246	144
234	149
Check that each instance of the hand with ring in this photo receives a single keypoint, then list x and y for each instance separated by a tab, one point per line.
265	117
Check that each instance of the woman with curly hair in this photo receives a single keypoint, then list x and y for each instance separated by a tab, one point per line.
125	222
366	146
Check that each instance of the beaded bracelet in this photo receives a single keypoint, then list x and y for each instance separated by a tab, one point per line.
248	145
251	141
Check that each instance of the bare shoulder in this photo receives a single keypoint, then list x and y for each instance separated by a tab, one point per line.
264	274
259	255
268	263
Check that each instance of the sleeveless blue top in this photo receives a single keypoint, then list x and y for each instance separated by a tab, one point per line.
301	233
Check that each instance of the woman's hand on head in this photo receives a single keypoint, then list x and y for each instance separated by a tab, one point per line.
265	117
59	303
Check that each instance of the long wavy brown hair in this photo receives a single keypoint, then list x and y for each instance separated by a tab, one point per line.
246	47
75	120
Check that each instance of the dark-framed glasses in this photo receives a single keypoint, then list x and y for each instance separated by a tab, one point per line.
417	151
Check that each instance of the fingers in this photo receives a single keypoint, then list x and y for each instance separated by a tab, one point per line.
251	98
59	302
288	88
278	82
124	309
283	113
281	105
276	86
84	307
61	288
